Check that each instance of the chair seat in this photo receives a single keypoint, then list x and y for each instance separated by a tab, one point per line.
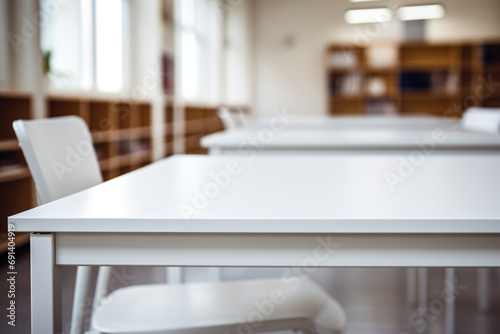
254	306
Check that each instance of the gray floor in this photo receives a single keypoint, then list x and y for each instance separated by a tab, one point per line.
374	299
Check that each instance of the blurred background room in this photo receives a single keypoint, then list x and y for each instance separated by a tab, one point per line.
153	77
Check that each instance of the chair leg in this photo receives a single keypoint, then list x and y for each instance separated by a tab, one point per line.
449	315
214	274
422	289
82	283
482	289
175	275
411	286
498	274
101	289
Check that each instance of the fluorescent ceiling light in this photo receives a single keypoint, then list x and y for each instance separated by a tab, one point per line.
371	15
426	12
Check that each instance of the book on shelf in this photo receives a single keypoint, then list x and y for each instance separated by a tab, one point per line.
9	166
376	86
351	85
344	59
346	84
378	107
452	82
434	82
491	55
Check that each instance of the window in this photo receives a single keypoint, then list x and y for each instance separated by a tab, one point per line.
200	34
109	45
86	42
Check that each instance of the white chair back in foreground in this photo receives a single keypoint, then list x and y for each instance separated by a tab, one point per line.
243	119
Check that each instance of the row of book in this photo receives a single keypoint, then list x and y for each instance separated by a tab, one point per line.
491	55
438	82
386	56
377	57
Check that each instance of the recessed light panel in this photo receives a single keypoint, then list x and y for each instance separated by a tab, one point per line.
427	12
371	15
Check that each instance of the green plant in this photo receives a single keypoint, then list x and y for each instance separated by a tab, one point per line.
47	55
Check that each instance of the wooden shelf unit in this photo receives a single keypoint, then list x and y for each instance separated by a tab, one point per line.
169	136
16	187
436	79
199	121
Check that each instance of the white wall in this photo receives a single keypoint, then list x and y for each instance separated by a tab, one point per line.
467	20
145	64
145	45
291	35
238	56
21	55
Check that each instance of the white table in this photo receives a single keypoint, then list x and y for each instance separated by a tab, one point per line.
350	140
359	122
269	212
412	139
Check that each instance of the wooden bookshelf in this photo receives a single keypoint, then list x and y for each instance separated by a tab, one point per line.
422	78
16	187
121	131
169	136
198	122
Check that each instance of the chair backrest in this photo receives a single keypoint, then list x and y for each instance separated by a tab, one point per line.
60	155
482	119
243	119
227	118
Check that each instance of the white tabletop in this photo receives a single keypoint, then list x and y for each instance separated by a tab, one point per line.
352	139
362	122
445	194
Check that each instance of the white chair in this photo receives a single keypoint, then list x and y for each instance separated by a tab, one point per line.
481	119
227	118
242	117
60	155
